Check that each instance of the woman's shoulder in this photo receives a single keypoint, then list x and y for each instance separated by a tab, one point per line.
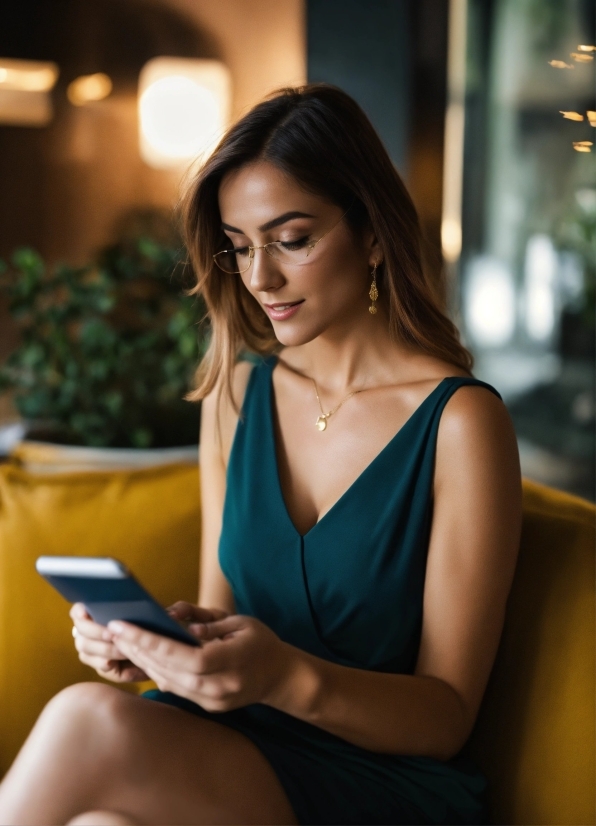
474	419
475	405
475	429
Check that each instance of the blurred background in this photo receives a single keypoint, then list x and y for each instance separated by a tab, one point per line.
487	108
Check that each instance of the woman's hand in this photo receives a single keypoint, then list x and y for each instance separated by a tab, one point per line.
96	649
240	661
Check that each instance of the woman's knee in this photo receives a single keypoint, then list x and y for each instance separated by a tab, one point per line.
80	698
101	818
87	706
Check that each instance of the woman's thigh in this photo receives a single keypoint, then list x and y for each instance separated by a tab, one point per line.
185	769
163	765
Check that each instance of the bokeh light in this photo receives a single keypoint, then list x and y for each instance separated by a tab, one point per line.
489	302
183	109
88	88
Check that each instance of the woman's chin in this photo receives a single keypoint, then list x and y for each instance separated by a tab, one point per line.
293	335
294	331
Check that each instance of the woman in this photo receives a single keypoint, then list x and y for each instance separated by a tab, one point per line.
361	522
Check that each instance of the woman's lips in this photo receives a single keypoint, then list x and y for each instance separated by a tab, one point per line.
280	312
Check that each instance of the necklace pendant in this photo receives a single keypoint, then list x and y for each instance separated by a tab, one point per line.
321	423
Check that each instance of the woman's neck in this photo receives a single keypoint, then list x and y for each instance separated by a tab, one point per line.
340	361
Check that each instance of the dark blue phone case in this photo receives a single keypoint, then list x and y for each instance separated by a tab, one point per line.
124	599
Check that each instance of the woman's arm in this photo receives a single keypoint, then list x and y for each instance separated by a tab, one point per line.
471	561
217	433
93	647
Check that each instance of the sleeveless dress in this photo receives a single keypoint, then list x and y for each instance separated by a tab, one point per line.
350	591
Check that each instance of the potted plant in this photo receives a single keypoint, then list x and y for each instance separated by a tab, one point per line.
107	350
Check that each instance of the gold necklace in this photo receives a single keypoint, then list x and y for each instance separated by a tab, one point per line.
321	422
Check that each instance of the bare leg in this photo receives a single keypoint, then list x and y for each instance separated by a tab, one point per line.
96	748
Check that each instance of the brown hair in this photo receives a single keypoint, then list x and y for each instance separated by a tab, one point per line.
321	137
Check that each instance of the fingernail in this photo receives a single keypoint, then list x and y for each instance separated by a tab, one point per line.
115	627
197	627
106	635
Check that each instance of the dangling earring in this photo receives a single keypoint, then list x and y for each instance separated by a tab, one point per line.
373	293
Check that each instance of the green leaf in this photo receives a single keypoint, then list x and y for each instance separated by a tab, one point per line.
187	344
32	355
150	249
142	437
113	402
95	333
28	261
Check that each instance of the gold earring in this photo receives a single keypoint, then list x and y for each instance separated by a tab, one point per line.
373	293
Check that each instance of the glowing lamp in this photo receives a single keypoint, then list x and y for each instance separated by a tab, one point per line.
27	75
24	91
184	107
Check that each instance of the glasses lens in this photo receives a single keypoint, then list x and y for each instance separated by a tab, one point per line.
290	252
228	261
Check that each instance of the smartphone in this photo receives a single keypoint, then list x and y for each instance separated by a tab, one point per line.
110	592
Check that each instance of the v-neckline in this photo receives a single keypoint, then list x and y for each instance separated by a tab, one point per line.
374	460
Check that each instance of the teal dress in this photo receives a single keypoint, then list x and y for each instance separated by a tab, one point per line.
350	591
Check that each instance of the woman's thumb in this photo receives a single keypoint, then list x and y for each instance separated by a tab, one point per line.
186	612
219	628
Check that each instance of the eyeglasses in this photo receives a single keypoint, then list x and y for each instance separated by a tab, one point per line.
239	259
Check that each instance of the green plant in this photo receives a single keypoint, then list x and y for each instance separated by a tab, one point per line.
107	350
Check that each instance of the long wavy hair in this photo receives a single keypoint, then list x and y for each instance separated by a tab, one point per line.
321	137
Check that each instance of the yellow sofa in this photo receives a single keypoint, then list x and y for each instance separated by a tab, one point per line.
149	519
535	733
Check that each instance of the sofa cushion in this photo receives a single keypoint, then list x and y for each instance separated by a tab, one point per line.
149	519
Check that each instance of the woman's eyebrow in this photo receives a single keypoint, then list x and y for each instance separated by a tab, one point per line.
276	222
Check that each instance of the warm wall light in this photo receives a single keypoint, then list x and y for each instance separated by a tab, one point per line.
87	88
24	91
453	157
451	238
184	106
27	75
560	64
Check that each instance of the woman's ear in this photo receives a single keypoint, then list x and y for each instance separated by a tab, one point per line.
373	248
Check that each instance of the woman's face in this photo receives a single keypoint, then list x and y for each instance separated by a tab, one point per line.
329	291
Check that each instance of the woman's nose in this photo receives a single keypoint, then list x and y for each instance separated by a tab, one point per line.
264	274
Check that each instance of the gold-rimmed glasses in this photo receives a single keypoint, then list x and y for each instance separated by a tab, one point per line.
238	260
